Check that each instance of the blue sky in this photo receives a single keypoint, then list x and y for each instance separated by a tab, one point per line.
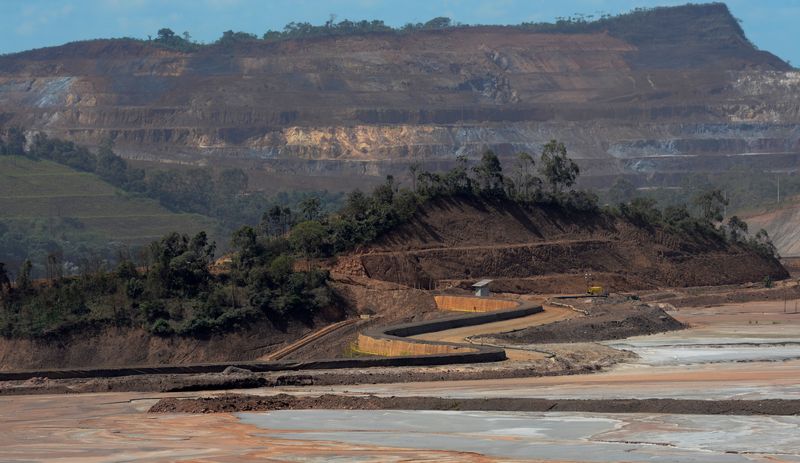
771	24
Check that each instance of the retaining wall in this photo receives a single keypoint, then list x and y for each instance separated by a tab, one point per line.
472	303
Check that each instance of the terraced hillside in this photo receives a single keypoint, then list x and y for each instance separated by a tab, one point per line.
657	92
48	206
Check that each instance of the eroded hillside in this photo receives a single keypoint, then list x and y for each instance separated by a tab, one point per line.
552	250
661	91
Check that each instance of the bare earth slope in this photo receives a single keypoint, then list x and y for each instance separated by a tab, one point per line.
665	90
549	249
782	224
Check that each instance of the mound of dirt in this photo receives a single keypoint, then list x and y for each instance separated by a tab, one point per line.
604	320
466	238
231	403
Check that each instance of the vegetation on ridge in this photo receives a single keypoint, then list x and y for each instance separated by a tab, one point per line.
626	25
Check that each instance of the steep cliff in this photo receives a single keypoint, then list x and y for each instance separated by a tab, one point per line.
661	90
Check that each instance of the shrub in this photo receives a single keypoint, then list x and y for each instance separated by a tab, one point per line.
641	211
161	328
153	310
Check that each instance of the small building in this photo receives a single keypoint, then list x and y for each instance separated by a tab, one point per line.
482	288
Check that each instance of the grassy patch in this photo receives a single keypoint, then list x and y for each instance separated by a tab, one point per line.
47	207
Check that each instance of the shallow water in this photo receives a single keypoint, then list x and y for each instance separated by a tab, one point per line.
552	436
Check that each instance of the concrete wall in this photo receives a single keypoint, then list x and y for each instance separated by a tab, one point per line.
401	347
472	303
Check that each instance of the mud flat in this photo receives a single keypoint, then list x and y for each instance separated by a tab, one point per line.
114	427
550	437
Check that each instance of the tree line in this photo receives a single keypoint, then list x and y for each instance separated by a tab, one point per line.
576	23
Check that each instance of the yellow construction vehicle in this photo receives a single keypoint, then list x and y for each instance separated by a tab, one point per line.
595	291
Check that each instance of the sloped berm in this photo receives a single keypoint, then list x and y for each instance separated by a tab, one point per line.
390	341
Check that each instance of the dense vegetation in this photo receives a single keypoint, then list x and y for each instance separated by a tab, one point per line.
173	292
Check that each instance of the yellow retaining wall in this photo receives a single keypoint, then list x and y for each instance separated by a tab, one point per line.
398	347
473	304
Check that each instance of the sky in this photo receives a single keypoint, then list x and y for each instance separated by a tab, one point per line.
24	24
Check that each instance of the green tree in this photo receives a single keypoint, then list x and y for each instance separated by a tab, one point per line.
441	22
711	204
311	207
557	168
489	173
230	37
642	211
413	170
357	205
244	242
763	244
276	221
737	228
308	238
677	216
457	180
383	194
109	166
526	184
165	34
181	264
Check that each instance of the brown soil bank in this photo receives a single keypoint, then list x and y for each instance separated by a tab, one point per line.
230	403
605	320
105	347
463	238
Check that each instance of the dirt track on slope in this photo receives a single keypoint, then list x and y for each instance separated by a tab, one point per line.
230	403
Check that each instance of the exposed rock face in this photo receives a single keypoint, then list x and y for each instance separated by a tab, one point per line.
669	90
